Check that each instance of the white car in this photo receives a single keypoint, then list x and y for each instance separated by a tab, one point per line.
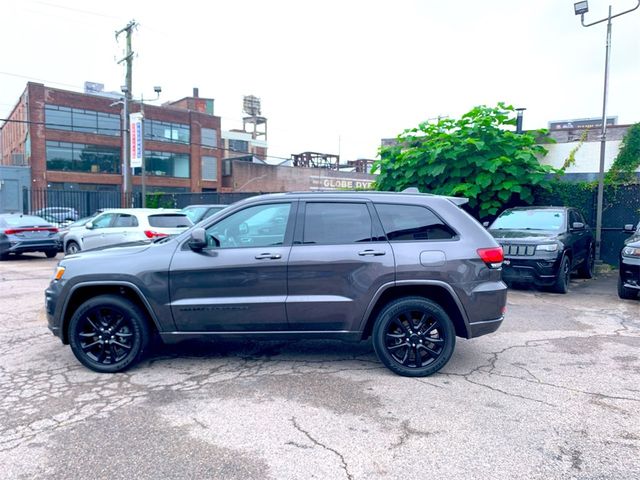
124	225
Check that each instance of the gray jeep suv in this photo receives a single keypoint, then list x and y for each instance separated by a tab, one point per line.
411	270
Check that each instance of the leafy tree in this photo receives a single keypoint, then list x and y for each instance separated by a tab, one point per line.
628	160
474	157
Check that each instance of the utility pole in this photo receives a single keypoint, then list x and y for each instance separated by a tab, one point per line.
127	190
580	8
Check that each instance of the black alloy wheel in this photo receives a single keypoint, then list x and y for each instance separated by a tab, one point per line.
108	333
586	270
564	276
413	337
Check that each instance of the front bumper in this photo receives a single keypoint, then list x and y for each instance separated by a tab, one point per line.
630	272
538	270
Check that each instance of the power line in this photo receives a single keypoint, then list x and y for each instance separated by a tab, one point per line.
27	77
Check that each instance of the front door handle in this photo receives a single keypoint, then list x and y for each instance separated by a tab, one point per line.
268	256
373	253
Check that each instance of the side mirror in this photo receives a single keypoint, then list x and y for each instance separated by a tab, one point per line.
89	225
577	226
485	224
628	228
198	239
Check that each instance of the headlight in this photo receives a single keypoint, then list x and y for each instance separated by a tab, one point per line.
547	247
631	252
59	273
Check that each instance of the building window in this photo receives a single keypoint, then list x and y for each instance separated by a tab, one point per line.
209	137
209	168
166	132
239	145
165	164
79	120
77	157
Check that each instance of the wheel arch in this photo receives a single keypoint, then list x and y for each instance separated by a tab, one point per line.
85	291
439	292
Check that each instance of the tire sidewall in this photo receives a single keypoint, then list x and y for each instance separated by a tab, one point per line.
417	303
138	322
66	250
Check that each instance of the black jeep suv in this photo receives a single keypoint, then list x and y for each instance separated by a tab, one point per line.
543	245
411	270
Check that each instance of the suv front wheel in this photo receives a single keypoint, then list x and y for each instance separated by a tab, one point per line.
108	333
413	337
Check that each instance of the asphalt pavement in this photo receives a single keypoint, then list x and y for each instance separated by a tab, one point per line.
554	394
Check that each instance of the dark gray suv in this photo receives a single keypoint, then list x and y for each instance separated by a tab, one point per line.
411	270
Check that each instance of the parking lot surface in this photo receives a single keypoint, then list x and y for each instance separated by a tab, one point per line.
554	394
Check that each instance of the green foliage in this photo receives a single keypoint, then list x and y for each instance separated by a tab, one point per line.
159	200
473	157
628	160
579	195
571	159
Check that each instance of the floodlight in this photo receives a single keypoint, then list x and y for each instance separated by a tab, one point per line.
580	8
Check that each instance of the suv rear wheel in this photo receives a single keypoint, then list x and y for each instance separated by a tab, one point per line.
413	337
108	333
586	269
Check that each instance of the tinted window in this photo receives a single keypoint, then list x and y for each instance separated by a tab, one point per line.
332	223
168	220
411	223
258	226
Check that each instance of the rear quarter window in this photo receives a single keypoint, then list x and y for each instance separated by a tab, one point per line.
412	223
168	220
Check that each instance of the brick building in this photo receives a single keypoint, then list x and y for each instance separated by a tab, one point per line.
72	140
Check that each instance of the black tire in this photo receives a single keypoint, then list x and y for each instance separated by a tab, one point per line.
71	248
51	253
587	267
561	284
108	334
4	256
625	292
413	337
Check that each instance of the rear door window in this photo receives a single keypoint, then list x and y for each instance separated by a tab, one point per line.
169	220
328	223
412	223
126	220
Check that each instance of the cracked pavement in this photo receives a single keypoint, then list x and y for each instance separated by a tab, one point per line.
554	394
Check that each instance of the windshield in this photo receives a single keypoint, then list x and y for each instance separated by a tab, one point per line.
194	213
529	220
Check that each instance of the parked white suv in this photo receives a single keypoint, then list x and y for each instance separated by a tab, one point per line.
123	225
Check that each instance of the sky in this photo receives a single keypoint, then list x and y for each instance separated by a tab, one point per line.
334	76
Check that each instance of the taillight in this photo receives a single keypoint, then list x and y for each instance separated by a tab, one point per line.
493	257
13	231
152	234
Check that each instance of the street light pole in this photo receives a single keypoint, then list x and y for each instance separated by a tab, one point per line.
580	9
143	182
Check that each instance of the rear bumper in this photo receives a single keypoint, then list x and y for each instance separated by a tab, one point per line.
477	329
31	246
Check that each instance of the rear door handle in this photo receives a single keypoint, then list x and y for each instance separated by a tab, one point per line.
373	253
268	256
